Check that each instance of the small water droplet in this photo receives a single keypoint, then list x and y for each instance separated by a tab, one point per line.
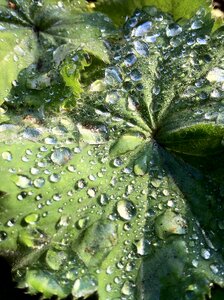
39	182
214	268
205	253
91	192
7	155
197	24
142	29
103	199
128	288
31	218
23	182
50	140
141	48
54	177
61	156
173	30
82	223
135	75
130	60
3	236
113	76
126	209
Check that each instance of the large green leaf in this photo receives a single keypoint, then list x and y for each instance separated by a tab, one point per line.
123	194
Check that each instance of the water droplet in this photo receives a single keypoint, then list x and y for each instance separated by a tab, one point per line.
7	155
82	223
54	177
112	98
31	218
143	246
130	60
126	209
214	268
103	199
197	24
50	140
61	156
91	192
34	171
80	184
216	75
3	236
173	30
128	288
57	197
141	48
170	223
205	253
71	168
142	29
39	182
135	75
83	287
113	76
23	182
22	196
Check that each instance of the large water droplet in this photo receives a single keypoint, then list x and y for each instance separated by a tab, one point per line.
61	156
126	209
103	199
205	253
216	75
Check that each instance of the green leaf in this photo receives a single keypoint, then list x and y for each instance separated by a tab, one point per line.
32	34
122	195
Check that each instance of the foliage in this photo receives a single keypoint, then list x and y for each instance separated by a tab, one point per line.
109	146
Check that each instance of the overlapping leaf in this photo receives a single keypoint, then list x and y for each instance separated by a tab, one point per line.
110	197
31	32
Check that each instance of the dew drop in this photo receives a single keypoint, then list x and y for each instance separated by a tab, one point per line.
50	140
7	155
31	218
3	236
39	182
142	29
197	24
113	76
54	177
141	48
173	30
130	60
103	199
205	253
61	156
126	209
23	182
91	192
128	288
34	171
135	75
